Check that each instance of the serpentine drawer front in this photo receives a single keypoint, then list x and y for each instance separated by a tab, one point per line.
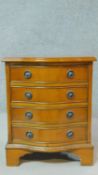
49	94
66	135
49	106
49	73
61	116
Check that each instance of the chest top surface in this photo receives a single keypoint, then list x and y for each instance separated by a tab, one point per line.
50	60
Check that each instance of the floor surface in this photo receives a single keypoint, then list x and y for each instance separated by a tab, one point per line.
50	166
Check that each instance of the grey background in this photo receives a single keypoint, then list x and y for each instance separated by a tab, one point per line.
48	28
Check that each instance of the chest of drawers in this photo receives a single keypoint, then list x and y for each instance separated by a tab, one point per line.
49	106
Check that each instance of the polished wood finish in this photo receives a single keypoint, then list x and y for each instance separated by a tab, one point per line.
50	59
48	127
14	152
54	116
50	95
15	156
49	73
43	136
7	70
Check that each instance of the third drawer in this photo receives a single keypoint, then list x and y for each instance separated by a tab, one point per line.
49	116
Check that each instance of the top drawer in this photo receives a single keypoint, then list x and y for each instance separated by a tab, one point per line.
35	74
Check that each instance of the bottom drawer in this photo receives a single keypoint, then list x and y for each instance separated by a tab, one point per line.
36	136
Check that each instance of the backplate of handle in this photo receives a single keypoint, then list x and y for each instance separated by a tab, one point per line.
70	134
70	94
28	95
29	134
29	115
27	74
70	74
70	114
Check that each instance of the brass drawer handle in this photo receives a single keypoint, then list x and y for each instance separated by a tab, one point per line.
70	95
70	134
70	114
29	115
28	95
27	74
29	134
70	74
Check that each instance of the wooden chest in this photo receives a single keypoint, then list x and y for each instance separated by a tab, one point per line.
49	106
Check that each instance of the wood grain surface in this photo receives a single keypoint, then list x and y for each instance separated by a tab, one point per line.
49	129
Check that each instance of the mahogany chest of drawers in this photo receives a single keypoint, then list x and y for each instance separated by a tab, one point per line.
49	106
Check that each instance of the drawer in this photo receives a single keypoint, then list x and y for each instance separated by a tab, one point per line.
49	95
40	116
49	73
66	135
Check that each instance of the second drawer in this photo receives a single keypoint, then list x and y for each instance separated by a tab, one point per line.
50	95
